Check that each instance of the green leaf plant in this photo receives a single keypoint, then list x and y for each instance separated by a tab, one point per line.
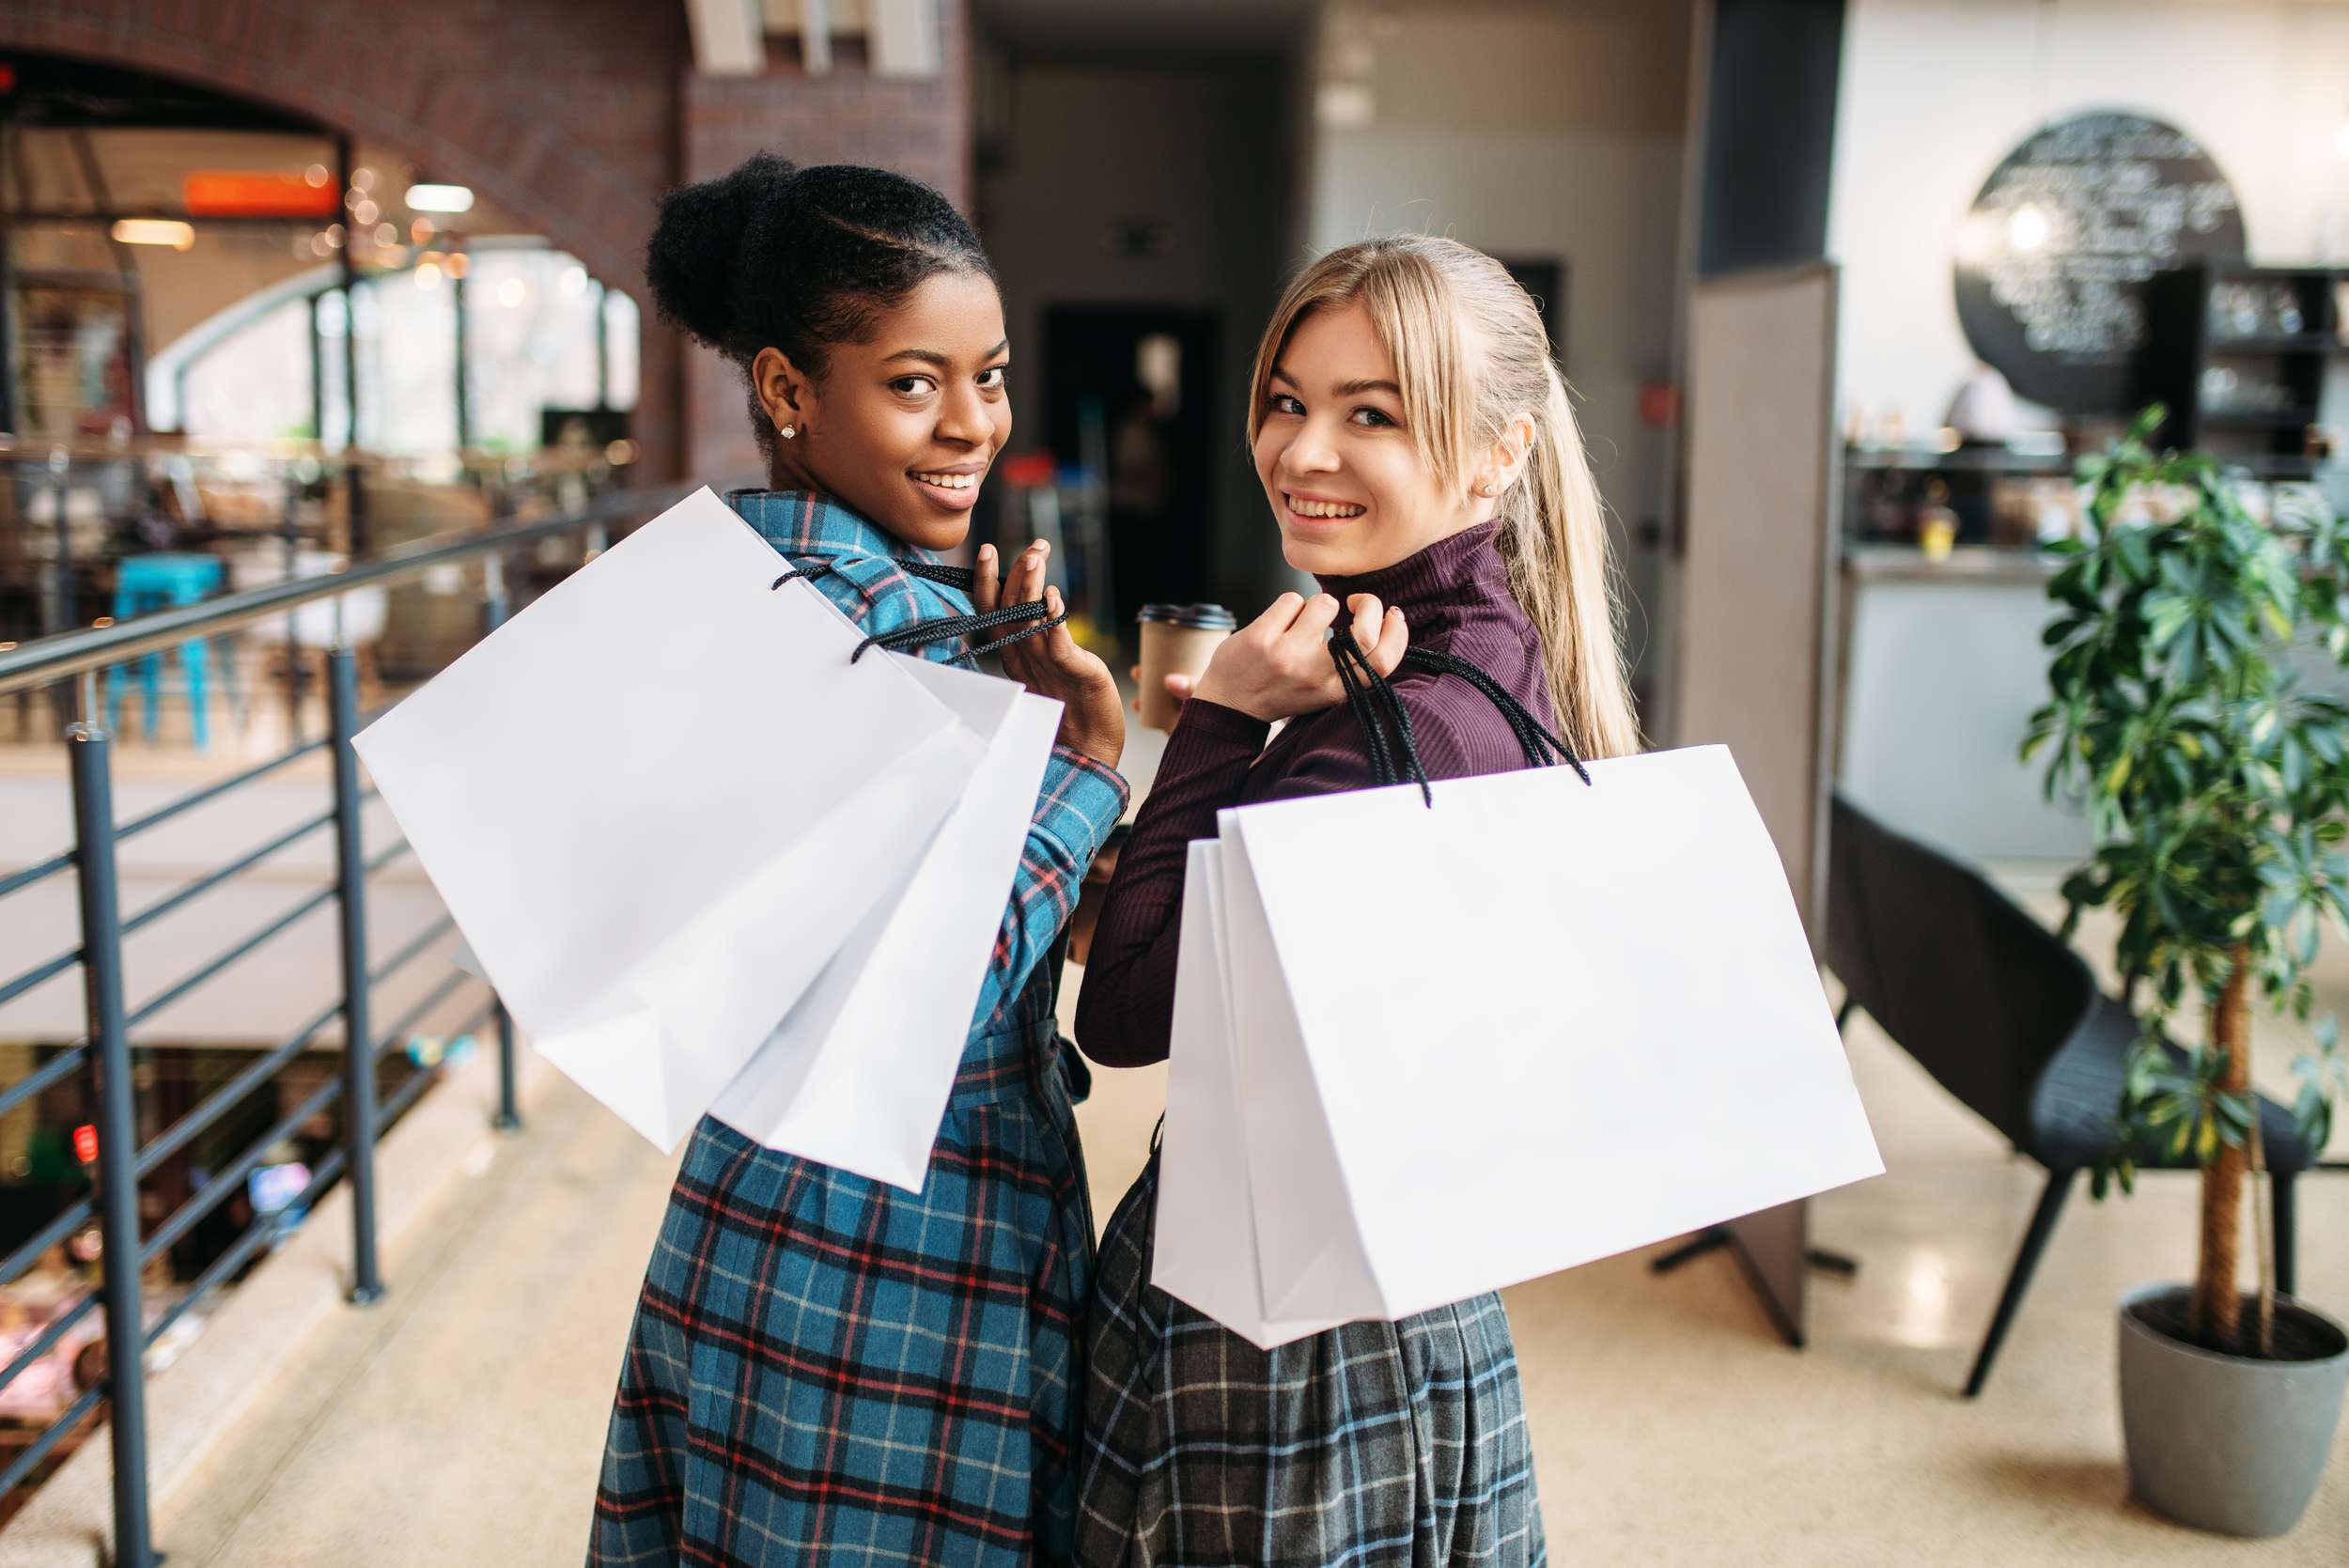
2215	784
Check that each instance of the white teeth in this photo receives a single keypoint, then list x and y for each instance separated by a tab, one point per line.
1304	508
949	481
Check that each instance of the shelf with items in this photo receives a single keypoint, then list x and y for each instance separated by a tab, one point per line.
1972	496
2265	343
2239	355
2259	419
1962	459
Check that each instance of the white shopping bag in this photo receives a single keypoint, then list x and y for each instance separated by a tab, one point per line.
658	799
858	1073
1584	1019
1205	1248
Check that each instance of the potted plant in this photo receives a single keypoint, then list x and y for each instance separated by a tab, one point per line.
2217	786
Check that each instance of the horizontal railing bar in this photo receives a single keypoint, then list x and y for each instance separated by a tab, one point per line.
264	1228
405	1095
50	659
213	791
416	1015
230	1094
32	874
42	1077
387	857
57	1329
214	878
14	1266
215	1192
417	945
162	814
75	1413
149	1009
39	974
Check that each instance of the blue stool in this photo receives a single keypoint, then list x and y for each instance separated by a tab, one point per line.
146	583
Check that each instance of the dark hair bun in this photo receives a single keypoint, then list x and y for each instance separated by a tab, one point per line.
697	245
775	257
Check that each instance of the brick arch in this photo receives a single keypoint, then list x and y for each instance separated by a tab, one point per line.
563	112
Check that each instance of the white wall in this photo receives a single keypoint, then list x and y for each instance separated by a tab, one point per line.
1531	131
1936	92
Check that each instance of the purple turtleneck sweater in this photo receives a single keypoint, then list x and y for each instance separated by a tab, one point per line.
1455	596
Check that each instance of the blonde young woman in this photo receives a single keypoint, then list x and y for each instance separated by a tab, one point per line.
1415	442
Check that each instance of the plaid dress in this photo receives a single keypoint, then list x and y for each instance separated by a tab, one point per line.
1374	1445
828	1369
1402	1445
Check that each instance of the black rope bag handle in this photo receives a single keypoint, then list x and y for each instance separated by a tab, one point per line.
1376	707
945	627
1543	748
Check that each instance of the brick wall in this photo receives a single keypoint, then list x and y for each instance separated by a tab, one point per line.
573	114
920	128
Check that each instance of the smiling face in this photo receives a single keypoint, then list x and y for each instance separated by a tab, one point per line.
1346	477
903	424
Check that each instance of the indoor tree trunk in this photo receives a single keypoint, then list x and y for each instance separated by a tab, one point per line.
2217	1303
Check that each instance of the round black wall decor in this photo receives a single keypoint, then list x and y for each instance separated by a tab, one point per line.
2052	260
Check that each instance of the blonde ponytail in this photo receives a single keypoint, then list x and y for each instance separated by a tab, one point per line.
1555	542
1473	358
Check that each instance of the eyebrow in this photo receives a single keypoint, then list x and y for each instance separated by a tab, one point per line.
931	356
1344	388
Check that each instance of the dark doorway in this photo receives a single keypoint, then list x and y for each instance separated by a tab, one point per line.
1131	398
1546	280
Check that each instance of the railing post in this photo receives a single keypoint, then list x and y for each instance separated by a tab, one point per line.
118	1137
342	693
509	1118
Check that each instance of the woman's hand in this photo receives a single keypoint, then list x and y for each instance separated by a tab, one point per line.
1279	666
1050	665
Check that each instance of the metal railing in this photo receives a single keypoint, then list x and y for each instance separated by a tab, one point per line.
104	1050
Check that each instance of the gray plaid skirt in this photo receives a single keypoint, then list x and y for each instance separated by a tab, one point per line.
1374	1444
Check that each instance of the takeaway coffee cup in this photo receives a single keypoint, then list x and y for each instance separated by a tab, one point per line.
1176	640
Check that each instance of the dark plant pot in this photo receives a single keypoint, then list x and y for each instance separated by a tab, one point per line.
2228	1443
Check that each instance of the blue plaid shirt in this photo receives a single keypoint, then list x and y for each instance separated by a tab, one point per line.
1081	799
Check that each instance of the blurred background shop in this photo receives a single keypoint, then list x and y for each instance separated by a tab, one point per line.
295	288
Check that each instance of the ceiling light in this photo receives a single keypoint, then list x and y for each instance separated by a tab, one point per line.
154	231
439	198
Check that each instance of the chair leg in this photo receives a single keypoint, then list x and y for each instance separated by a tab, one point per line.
2287	1262
2018	1280
195	657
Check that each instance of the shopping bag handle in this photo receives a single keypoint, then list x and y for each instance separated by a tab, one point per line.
944	628
1543	748
1367	693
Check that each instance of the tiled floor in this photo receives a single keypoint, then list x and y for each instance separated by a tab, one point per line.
1671	1425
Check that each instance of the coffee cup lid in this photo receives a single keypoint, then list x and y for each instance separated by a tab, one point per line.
1210	616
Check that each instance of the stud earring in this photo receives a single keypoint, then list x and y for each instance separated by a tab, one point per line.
786	431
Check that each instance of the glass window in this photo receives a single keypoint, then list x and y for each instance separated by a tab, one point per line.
533	317
261	391
404	337
620	335
530	343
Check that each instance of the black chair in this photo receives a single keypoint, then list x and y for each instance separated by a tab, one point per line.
2004	1016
